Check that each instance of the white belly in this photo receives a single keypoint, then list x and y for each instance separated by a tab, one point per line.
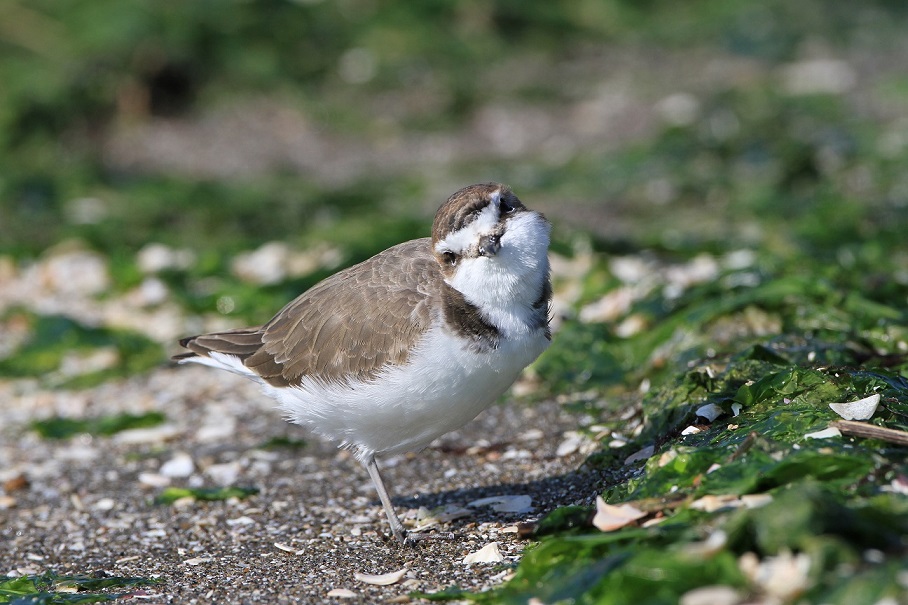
442	387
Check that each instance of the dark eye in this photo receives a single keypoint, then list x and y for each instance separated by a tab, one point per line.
506	207
450	258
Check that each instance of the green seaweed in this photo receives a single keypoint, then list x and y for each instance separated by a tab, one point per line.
42	589
59	427
52	337
207	494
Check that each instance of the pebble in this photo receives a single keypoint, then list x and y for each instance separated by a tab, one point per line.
155	257
57	272
217	428
224	474
104	504
571	443
157	434
154	480
181	465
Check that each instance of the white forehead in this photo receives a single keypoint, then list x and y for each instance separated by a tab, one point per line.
485	221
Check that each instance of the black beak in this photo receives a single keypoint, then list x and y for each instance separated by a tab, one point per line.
489	245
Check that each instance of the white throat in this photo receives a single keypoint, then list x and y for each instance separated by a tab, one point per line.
505	286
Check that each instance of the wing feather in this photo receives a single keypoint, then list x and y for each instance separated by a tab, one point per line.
350	325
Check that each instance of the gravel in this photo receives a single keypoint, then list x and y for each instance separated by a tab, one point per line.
85	506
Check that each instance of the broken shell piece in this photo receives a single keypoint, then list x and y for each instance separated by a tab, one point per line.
824	434
342	593
489	553
155	434
711	503
862	409
643	454
426	519
385	579
667	457
506	504
610	518
756	500
710	411
154	480
288	548
451	512
197	560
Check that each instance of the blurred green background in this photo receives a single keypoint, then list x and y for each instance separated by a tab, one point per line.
220	125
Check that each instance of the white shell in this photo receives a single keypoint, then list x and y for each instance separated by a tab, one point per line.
862	409
610	518
824	434
385	579
489	553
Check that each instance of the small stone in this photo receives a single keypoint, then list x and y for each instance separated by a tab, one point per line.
224	474
265	265
197	560
818	76
57	273
181	465
104	504
217	429
532	435
154	480
155	257
15	484
572	443
157	434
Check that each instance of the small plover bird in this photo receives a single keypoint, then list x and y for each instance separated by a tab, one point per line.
387	355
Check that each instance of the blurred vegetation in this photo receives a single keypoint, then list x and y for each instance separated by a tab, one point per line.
50	588
103	426
73	70
801	199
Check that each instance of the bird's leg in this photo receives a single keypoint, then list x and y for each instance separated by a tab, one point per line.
397	528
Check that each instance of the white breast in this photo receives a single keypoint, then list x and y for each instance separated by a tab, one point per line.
444	385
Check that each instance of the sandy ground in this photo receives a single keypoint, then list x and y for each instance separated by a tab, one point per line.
86	506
